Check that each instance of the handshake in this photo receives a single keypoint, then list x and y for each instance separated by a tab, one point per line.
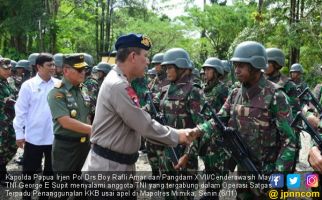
186	136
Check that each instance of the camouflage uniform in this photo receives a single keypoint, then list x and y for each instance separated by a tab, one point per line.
289	87
154	151
93	89
140	87
262	116
213	156
181	104
158	83
8	146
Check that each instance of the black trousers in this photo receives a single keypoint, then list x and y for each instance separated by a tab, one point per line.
32	158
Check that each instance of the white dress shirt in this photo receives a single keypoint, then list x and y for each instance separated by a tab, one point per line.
33	120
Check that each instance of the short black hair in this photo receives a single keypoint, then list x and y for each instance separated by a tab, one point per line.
123	53
44	57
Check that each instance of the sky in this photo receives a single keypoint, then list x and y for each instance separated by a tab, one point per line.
179	6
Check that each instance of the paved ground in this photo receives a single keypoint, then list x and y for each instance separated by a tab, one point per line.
142	165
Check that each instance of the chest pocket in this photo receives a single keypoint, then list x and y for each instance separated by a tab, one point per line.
257	130
174	106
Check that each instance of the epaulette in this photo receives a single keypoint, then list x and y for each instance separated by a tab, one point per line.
59	84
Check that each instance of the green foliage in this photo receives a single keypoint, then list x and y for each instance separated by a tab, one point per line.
81	26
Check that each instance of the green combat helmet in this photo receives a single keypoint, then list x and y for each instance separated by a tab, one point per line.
296	67
251	52
152	72
276	55
88	59
178	57
214	63
94	69
13	64
104	67
196	72
58	59
23	64
157	58
227	66
32	58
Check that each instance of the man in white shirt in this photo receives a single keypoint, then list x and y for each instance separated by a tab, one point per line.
33	122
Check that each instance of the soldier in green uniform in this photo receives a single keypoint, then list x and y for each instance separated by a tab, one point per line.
181	103
216	94
70	106
161	79
261	114
103	69
32	68
58	60
8	146
228	80
21	73
276	60
93	86
296	73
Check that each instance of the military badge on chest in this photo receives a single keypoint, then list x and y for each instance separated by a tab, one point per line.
133	96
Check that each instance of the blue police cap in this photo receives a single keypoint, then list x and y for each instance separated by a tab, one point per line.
133	40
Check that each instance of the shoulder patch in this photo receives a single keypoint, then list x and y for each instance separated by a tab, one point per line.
59	95
59	84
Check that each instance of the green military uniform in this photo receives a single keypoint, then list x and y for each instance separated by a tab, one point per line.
8	146
261	114
181	105
92	86
68	100
213	156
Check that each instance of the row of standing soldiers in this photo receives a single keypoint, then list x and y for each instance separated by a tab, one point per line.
12	75
180	94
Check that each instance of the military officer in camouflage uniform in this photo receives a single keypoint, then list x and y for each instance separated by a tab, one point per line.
181	103
276	60
154	151
92	84
260	112
161	79
216	94
70	106
58	60
296	73
227	69
22	70
8	146
103	69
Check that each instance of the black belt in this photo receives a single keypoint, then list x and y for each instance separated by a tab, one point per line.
71	139
121	158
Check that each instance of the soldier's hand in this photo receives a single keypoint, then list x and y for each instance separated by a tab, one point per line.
315	159
314	121
194	133
184	136
182	162
20	143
